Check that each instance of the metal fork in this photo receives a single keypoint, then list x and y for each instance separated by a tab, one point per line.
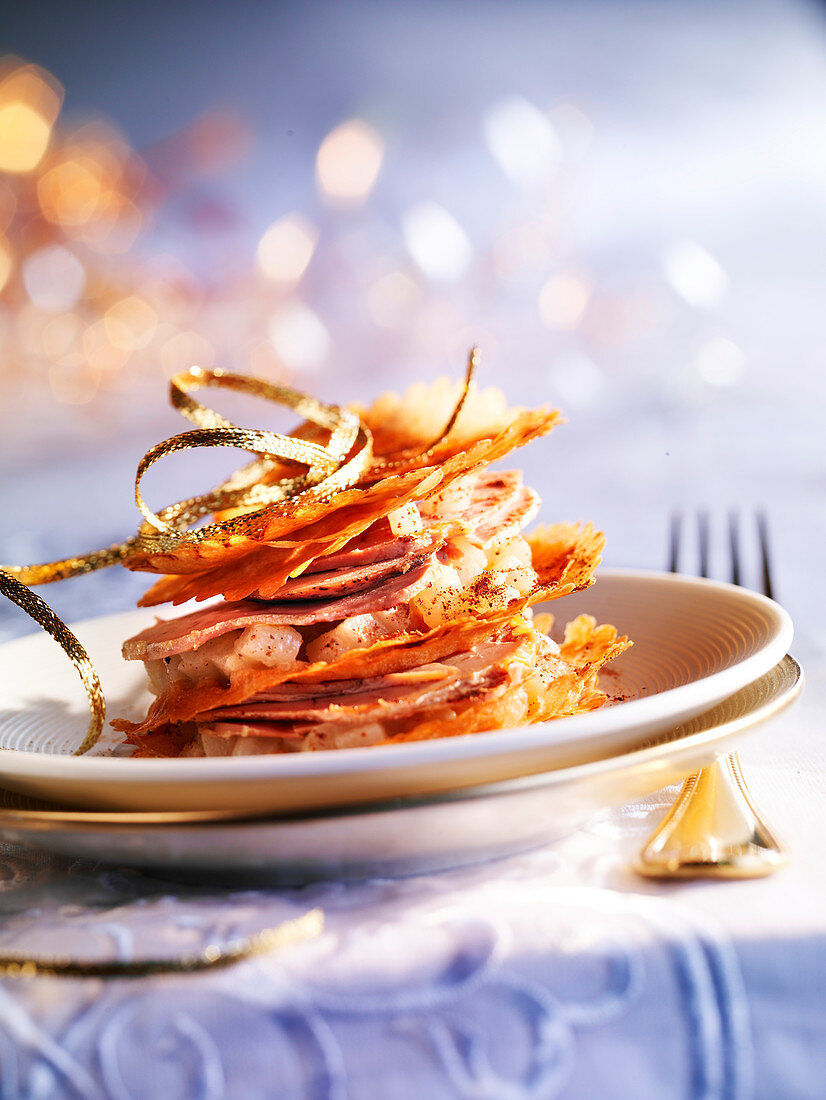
713	830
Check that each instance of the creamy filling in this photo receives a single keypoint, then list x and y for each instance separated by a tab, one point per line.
359	631
258	646
472	580
450	502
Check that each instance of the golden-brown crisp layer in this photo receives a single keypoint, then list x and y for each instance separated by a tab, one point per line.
542	695
299	531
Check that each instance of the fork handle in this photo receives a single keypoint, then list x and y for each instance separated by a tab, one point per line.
713	830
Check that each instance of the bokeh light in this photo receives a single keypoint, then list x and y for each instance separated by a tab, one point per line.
61	335
83	319
71	191
54	278
100	352
286	249
434	261
720	362
436	241
30	101
24	137
563	300
349	161
695	274
299	337
522	140
88	189
73	381
130	323
186	349
28	329
262	359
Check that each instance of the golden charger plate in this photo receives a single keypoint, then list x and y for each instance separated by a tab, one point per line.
405	835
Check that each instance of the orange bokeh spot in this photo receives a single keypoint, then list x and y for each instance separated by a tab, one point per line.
6	262
30	101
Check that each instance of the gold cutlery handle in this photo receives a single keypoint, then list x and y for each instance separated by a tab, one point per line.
713	830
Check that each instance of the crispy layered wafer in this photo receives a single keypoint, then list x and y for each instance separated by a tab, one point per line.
396	610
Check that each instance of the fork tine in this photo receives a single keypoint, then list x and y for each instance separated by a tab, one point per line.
765	561
674	542
702	534
734	545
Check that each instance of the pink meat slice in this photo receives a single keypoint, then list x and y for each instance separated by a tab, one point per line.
499	500
342	688
273	720
170	637
382	546
365	574
317	710
467	675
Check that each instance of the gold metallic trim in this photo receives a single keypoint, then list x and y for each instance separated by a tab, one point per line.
213	956
40	611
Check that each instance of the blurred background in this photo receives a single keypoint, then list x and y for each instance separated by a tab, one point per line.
621	202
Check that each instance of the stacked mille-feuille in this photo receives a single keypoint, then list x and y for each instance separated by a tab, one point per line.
398	609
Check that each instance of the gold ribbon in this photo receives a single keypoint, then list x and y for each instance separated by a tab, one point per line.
328	470
472	364
308	926
40	611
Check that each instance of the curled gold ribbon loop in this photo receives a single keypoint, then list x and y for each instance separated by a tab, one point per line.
40	611
283	447
343	425
248	487
470	370
266	500
181	385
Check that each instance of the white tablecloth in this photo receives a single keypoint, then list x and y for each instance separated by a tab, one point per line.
553	974
556	973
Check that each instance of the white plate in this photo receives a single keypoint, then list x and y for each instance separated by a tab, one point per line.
695	642
405	836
